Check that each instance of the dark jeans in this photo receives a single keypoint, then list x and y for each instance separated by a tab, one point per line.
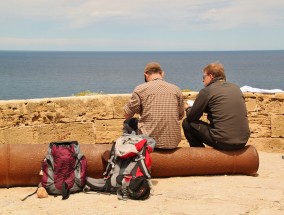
130	126
198	133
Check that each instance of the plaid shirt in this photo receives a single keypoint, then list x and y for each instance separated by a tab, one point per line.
160	106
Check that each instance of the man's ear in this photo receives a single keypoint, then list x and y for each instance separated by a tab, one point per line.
146	76
163	74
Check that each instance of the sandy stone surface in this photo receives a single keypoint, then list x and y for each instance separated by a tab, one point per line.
232	194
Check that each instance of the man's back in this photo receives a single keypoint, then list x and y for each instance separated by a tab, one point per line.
225	105
227	113
160	105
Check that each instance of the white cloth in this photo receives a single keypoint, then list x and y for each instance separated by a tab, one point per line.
190	103
257	90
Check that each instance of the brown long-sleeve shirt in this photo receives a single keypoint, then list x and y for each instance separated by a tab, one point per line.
160	106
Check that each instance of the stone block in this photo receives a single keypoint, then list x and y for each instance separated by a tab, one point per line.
259	125
98	107
275	107
267	104
71	109
189	95
119	102
108	130
6	121
277	125
249	95
39	105
251	105
10	110
279	96
27	112
268	144
18	135
84	133
39	111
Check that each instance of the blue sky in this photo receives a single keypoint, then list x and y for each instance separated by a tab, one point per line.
141	25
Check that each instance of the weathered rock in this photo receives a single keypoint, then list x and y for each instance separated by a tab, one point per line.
99	118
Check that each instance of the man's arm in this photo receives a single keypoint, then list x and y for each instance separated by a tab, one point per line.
196	111
132	107
181	106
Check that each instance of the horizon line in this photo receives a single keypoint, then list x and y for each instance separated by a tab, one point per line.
248	50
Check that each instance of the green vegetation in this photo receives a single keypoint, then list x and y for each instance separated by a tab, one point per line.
88	93
186	90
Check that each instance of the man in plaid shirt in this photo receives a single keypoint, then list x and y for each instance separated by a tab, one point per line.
160	107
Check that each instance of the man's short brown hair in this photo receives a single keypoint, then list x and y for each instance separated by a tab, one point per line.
216	70
153	67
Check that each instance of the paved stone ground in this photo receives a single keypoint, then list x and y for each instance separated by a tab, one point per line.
232	194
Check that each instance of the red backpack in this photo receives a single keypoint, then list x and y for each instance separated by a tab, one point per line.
128	171
64	169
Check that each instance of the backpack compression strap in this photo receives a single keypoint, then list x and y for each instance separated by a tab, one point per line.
140	159
65	191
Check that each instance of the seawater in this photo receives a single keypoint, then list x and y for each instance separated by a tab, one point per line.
27	74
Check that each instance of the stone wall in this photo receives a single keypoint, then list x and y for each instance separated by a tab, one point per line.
98	120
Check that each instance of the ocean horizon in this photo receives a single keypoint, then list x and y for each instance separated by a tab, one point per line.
45	74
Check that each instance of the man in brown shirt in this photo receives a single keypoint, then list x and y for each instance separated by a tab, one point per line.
160	106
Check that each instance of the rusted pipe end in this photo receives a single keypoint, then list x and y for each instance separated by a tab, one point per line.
4	164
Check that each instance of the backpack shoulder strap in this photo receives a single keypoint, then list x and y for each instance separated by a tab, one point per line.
111	161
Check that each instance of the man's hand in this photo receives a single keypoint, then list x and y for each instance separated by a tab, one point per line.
126	116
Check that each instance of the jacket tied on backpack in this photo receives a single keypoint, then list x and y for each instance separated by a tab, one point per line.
128	171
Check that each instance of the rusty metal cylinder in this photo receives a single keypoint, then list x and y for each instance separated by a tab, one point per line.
186	161
20	164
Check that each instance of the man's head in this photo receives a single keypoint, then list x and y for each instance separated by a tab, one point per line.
211	71
153	70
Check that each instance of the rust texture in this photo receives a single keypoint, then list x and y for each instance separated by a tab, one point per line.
185	161
20	163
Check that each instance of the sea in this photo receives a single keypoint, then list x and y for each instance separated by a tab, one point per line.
46	74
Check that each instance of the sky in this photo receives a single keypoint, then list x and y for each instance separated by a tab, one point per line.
141	25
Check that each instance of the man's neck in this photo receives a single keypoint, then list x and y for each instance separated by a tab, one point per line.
155	77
